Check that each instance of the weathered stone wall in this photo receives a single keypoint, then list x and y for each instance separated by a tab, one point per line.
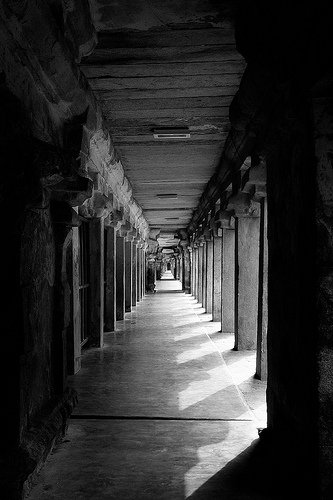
37	282
28	260
35	301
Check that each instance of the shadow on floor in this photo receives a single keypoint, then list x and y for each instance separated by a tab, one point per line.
266	470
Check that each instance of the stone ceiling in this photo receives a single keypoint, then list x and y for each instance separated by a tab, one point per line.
165	65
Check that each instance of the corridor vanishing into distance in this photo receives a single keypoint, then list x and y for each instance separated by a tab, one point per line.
167	410
140	137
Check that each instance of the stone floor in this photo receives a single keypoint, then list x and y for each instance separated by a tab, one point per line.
167	410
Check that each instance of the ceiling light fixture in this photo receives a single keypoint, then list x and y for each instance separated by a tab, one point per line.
172	133
167	195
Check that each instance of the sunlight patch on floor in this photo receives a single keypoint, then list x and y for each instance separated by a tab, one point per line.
244	368
222	344
199	390
189	335
213	457
204	350
261	414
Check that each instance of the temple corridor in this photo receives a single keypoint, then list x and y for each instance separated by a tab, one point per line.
166	207
163	407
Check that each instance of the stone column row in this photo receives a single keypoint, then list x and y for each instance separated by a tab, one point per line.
229	265
115	279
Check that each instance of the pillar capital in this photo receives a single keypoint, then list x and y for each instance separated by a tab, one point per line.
99	205
152	246
62	213
139	242
254	181
115	219
124	229
131	235
207	234
224	219
242	205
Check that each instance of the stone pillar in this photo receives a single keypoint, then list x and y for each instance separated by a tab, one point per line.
210	262
120	278
128	276
176	276
110	288
261	361
187	282
217	276
300	276
158	269
142	276
197	272
228	282
134	274
200	259
139	272
151	274
180	258
204	275
144	272
246	282
75	337
96	326
194	271
144	260
173	267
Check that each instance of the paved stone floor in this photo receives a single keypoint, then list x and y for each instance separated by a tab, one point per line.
167	410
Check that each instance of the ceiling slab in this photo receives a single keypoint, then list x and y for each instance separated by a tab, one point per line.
165	64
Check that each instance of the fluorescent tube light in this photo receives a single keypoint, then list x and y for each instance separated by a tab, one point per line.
172	133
